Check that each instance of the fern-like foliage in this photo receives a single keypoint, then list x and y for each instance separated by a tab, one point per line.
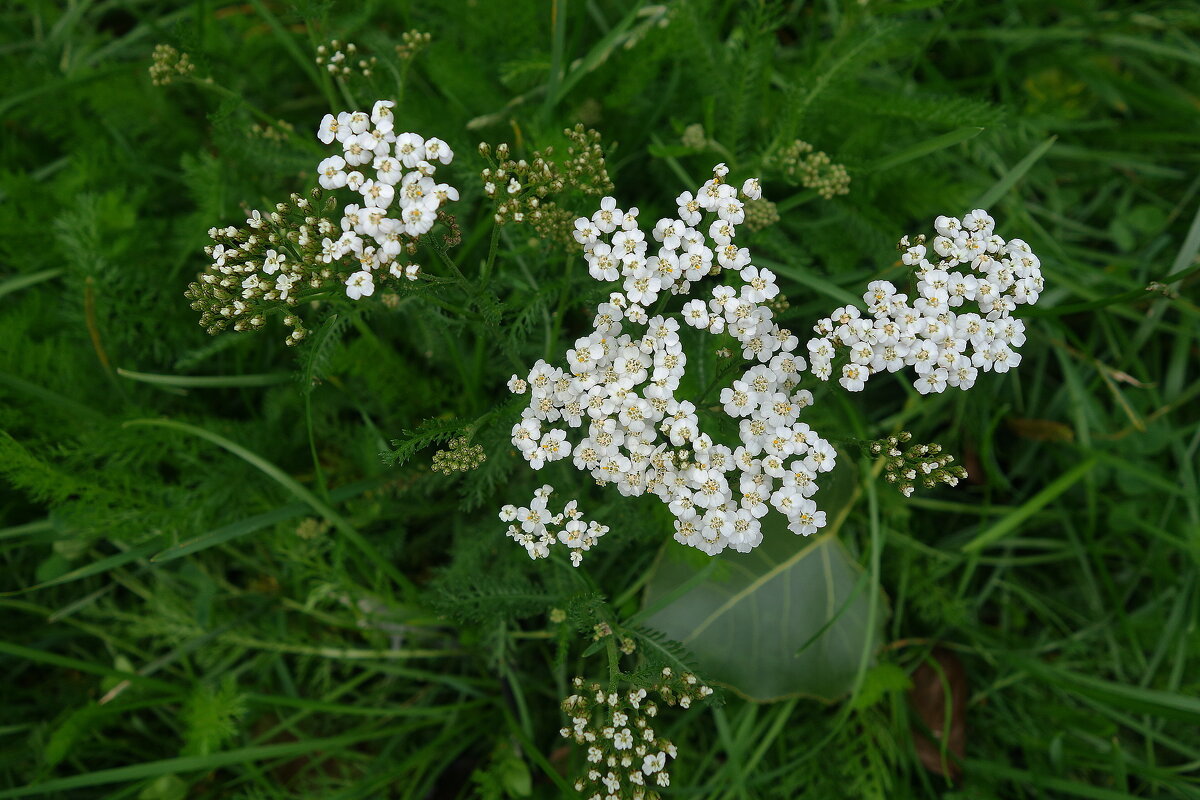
320	351
429	432
210	717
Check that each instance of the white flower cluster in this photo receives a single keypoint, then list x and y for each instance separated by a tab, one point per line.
404	166
620	387
625	755
934	333
532	528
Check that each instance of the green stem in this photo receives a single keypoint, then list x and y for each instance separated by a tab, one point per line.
322	486
467	286
717	380
798	199
253	109
555	328
614	662
493	246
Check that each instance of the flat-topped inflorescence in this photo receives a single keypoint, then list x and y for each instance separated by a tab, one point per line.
313	245
960	323
626	755
618	385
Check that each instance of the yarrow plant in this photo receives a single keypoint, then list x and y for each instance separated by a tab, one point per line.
626	758
960	323
529	191
924	463
316	243
619	384
459	456
533	527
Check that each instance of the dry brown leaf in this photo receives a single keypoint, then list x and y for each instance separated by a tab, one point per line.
929	699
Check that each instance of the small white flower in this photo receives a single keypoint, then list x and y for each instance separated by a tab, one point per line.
437	150
331	172
382	116
410	149
328	129
360	285
273	261
377	194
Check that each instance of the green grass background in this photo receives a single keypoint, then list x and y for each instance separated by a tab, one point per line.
405	650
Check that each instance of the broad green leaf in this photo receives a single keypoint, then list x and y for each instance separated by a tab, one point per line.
786	620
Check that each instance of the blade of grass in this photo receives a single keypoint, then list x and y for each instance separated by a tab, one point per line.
812	281
595	57
18	282
251	524
292	485
1025	778
1172	705
925	148
205	763
207	381
66	662
1036	503
97	567
1010	178
307	64
1183	262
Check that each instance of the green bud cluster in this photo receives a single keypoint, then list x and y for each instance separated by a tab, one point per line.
924	464
760	214
168	64
278	131
694	137
778	304
412	43
459	457
311	528
529	191
814	169
239	291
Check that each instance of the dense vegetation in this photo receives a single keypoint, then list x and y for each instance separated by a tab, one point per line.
239	568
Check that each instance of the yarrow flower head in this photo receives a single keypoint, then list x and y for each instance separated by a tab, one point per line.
626	758
169	64
959	324
533	191
925	464
538	530
343	59
401	199
315	243
618	384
